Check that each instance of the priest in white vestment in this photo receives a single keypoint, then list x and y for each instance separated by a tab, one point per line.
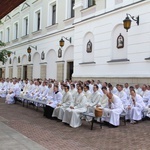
145	94
14	91
3	89
111	113
72	114
122	95
94	100
87	93
65	103
135	107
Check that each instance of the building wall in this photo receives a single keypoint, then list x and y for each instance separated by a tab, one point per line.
101	24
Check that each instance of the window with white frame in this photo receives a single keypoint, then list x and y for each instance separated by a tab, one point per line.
8	34
16	28
91	3
52	17
1	36
72	10
37	21
25	26
54	14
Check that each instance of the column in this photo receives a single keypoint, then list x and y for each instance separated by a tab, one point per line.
30	71
43	70
60	70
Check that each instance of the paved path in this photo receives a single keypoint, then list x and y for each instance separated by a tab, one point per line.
10	139
55	135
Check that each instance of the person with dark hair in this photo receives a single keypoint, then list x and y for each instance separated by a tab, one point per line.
112	89
57	97
122	95
72	114
65	103
135	107
111	113
87	92
127	90
93	101
73	90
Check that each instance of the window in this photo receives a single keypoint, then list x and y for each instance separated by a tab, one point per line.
8	34
54	14
16	31
25	26
72	10
91	3
38	21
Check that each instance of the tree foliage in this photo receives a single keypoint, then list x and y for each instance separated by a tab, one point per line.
4	53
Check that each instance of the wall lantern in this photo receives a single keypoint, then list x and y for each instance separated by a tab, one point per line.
29	49
8	54
59	53
127	21
43	55
62	42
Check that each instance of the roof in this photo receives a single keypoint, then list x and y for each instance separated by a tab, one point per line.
6	6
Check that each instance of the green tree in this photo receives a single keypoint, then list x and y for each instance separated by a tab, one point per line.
4	53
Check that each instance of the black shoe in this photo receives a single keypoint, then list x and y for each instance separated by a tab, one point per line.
112	126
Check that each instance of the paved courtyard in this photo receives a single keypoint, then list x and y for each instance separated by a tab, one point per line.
42	133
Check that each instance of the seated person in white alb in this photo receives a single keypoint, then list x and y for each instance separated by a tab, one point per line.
122	95
94	100
14	91
145	94
65	103
3	89
147	109
56	99
72	114
87	93
25	89
111	113
42	92
49	94
135	107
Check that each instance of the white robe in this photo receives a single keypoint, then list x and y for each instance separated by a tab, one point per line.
57	97
123	96
65	103
15	92
3	90
146	96
135	113
112	114
72	116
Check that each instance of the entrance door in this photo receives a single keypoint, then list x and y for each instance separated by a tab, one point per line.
69	70
24	72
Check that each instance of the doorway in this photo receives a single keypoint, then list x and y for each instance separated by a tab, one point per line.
24	72
69	70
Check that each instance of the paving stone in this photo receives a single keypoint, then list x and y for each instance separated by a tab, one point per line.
52	134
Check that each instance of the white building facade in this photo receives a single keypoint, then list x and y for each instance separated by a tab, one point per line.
94	52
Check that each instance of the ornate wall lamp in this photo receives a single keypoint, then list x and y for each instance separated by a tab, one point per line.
35	47
62	42
127	21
